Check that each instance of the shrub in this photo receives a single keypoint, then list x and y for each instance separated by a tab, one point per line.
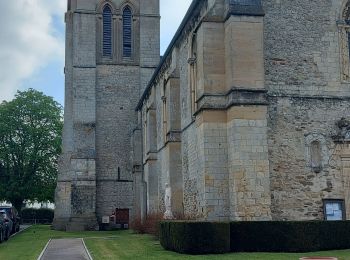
149	226
37	215
195	237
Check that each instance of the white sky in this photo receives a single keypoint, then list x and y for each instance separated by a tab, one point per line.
32	43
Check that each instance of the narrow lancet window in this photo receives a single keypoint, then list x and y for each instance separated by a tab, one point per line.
165	113
348	44
344	31
107	31
347	22
127	32
193	74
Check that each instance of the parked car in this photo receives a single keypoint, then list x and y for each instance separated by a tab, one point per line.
13	214
8	224
3	227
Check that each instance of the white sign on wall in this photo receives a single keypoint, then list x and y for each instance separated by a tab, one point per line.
105	220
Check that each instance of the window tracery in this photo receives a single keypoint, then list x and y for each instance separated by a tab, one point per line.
117	29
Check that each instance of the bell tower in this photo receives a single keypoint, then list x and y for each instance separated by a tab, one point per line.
112	50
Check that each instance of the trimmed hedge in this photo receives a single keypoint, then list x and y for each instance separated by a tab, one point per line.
335	235
274	236
263	236
195	237
291	236
45	215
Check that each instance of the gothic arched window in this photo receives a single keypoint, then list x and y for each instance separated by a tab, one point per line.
346	13
344	30
193	74
127	32
346	17
165	111
107	31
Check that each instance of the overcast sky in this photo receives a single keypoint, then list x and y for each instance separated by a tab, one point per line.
32	43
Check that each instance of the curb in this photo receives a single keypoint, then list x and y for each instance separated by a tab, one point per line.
20	231
87	251
42	252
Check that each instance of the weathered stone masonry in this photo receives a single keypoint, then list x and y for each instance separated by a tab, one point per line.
246	117
262	87
308	95
217	61
99	170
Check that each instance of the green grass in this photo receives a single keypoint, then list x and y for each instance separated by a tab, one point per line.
29	244
124	245
131	246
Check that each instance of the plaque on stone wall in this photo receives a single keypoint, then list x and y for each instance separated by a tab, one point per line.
105	220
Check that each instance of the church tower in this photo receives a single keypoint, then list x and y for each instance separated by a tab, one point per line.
112	50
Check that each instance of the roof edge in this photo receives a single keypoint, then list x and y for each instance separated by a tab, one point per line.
177	35
237	7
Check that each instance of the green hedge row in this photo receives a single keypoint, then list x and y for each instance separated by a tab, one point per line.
195	237
266	236
39	214
286	236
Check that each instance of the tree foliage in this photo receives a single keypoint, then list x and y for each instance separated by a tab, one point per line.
30	143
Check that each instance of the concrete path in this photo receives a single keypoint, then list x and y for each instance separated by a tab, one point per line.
21	229
24	227
67	249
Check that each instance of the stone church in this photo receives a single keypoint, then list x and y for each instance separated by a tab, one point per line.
245	117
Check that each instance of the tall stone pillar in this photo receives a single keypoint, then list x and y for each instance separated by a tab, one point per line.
248	162
76	186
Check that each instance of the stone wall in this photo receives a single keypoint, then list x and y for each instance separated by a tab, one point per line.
100	118
308	94
302	52
297	190
211	137
212	131
116	120
250	196
240	117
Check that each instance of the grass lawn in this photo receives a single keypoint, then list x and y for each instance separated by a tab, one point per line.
123	245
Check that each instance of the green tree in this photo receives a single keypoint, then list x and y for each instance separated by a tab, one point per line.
30	143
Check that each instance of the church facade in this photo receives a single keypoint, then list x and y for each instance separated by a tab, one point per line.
245	117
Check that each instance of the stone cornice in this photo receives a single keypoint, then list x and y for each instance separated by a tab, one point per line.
234	97
245	7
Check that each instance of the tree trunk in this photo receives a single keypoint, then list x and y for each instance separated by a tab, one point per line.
18	204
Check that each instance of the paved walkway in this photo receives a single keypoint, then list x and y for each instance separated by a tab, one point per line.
67	249
23	227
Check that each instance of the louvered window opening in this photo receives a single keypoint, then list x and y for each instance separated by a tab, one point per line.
107	32
127	32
